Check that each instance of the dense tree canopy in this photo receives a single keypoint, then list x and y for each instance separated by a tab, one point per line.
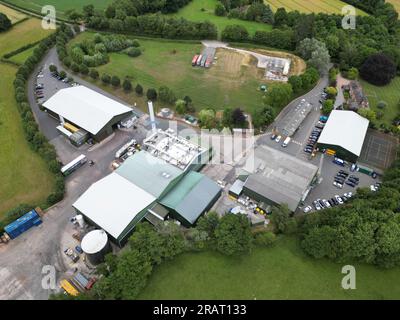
378	69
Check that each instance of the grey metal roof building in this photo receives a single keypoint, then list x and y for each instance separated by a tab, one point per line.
292	120
278	178
344	133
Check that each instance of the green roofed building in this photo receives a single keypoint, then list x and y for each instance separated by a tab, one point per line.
155	185
193	196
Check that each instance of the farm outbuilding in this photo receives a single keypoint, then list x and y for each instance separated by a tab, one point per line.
88	110
344	133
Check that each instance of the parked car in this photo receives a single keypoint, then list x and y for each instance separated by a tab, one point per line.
326	203
351	184
348	194
78	249
317	205
373	188
308	150
278	138
353	167
307	209
338	184
273	137
335	201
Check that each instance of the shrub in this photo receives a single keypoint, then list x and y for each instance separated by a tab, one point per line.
139	90
133	52
265	239
5	23
127	85
151	94
94	74
115	81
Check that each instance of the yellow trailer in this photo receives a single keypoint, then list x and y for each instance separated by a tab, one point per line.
69	288
70	127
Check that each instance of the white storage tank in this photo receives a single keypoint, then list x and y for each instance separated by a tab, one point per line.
95	245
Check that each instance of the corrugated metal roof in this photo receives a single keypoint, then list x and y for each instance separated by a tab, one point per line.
86	108
191	203
113	202
346	129
149	173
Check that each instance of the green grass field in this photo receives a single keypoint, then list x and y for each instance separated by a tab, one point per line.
281	272
325	6
60	5
24	175
390	94
12	14
193	11
22	56
234	81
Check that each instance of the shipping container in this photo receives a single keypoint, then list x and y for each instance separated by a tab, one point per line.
203	61
23	224
199	60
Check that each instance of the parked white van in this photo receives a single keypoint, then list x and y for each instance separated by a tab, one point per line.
286	142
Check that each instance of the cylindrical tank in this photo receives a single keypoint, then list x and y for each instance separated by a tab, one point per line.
95	245
165	112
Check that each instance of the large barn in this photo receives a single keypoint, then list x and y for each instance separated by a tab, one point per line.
88	110
344	133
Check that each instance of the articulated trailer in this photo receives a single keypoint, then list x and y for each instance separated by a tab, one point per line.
194	61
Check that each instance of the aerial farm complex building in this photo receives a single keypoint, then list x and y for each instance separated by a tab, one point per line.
86	110
344	133
157	183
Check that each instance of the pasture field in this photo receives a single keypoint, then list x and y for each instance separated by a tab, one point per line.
61	5
280	272
12	14
24	175
309	6
396	4
390	94
26	32
233	81
203	10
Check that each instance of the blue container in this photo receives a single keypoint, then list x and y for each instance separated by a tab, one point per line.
23	224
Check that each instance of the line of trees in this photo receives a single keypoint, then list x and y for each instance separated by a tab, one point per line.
5	22
252	10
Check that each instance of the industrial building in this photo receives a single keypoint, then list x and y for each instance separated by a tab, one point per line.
291	122
81	108
344	133
157	183
276	178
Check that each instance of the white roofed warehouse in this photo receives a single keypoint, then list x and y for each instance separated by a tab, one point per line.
344	133
88	110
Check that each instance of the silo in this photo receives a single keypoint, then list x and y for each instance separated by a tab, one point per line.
95	245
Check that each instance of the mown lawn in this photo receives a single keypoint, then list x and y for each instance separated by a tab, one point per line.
309	6
390	94
281	272
60	5
24	177
202	10
233	81
22	56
